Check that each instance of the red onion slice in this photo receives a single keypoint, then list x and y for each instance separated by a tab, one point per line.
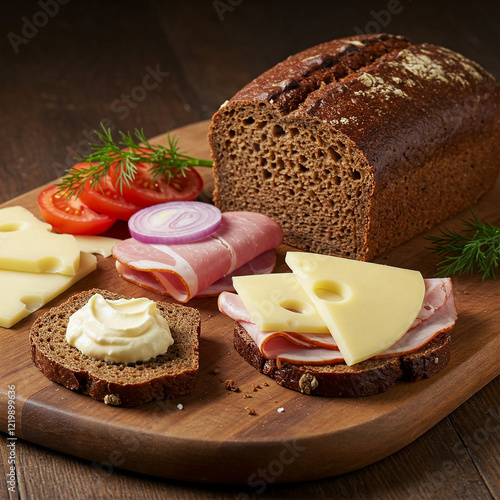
174	222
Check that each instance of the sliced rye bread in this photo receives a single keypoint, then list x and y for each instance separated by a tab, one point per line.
357	145
339	380
168	375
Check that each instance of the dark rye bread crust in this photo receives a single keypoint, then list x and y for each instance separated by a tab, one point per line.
363	379
168	375
357	145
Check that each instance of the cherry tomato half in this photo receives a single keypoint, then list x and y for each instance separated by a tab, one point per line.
71	215
144	191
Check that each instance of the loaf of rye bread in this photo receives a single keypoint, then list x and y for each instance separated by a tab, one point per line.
167	375
340	380
359	144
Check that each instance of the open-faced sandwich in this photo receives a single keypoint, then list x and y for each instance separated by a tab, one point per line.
119	350
339	327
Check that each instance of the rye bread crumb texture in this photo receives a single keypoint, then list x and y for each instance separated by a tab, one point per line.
357	145
339	380
168	375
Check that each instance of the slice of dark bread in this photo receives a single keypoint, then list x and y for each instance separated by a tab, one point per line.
123	384
339	380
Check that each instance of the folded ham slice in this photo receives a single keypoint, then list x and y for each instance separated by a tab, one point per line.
244	243
438	314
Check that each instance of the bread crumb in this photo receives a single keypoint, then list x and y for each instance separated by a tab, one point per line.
256	387
112	399
231	385
246	395
180	406
281	409
436	360
250	411
308	383
266	384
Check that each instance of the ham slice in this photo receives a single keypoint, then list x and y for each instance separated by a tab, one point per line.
286	347
263	264
437	292
442	320
184	271
438	314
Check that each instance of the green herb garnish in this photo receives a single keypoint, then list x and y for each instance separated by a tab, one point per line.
477	247
165	162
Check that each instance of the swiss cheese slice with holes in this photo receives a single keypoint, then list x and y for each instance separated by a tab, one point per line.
28	244
277	302
367	307
22	293
96	244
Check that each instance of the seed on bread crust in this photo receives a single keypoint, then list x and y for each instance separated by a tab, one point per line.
308	383
112	399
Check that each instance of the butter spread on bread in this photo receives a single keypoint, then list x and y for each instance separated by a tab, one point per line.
119	331
168	375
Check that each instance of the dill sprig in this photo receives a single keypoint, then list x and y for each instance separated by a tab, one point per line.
477	247
165	162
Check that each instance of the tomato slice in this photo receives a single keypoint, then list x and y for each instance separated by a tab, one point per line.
144	191
71	215
105	199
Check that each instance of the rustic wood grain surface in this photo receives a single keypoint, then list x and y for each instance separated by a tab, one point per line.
67	66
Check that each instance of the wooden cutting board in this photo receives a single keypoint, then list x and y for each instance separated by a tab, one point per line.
292	437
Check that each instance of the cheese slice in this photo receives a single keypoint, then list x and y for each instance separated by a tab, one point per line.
27	244
367	307
102	245
277	302
21	293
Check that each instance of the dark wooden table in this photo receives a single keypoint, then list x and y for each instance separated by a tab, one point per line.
67	66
